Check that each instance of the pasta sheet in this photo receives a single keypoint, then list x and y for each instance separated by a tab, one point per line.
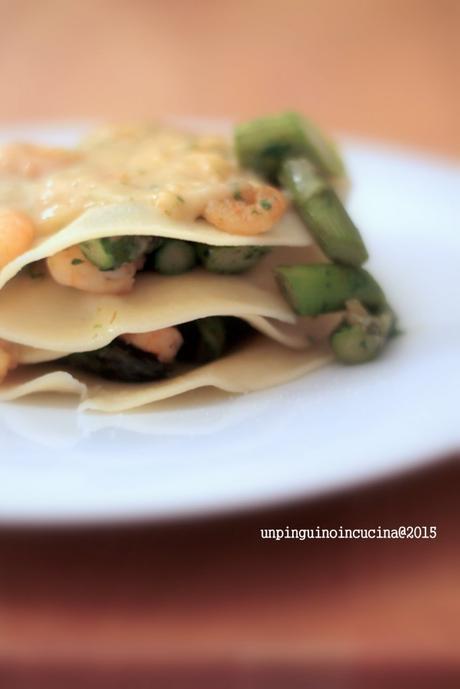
41	315
136	219
260	363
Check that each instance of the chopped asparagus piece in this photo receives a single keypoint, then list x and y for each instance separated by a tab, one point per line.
361	342
109	253
174	257
264	143
119	361
229	259
323	213
204	339
213	337
323	288
352	344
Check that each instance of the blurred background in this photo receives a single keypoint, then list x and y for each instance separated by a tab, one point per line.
208	604
380	68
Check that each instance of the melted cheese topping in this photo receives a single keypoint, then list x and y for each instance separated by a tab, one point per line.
175	172
132	180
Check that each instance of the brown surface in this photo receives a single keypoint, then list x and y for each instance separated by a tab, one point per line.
383	68
210	602
212	596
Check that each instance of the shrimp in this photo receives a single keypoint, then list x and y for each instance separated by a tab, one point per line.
17	234
164	343
251	210
72	269
8	360
30	160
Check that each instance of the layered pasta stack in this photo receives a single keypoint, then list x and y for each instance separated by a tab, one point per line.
148	261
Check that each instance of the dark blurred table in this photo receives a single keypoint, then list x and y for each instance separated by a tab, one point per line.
211	604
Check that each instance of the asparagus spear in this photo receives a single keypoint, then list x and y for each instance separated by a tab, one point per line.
357	343
174	257
109	253
119	361
204	339
264	143
323	212
229	259
322	288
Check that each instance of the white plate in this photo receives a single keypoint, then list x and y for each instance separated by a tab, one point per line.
335	428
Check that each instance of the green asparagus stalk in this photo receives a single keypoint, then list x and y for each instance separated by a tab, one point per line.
358	343
229	259
323	288
109	253
174	257
205	339
323	212
264	143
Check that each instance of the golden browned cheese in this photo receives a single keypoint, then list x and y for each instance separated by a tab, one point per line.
175	172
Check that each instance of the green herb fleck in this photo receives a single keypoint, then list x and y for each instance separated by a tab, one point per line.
237	195
266	204
180	198
76	261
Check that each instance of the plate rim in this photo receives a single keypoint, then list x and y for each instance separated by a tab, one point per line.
130	516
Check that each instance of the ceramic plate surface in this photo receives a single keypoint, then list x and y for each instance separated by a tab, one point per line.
335	428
